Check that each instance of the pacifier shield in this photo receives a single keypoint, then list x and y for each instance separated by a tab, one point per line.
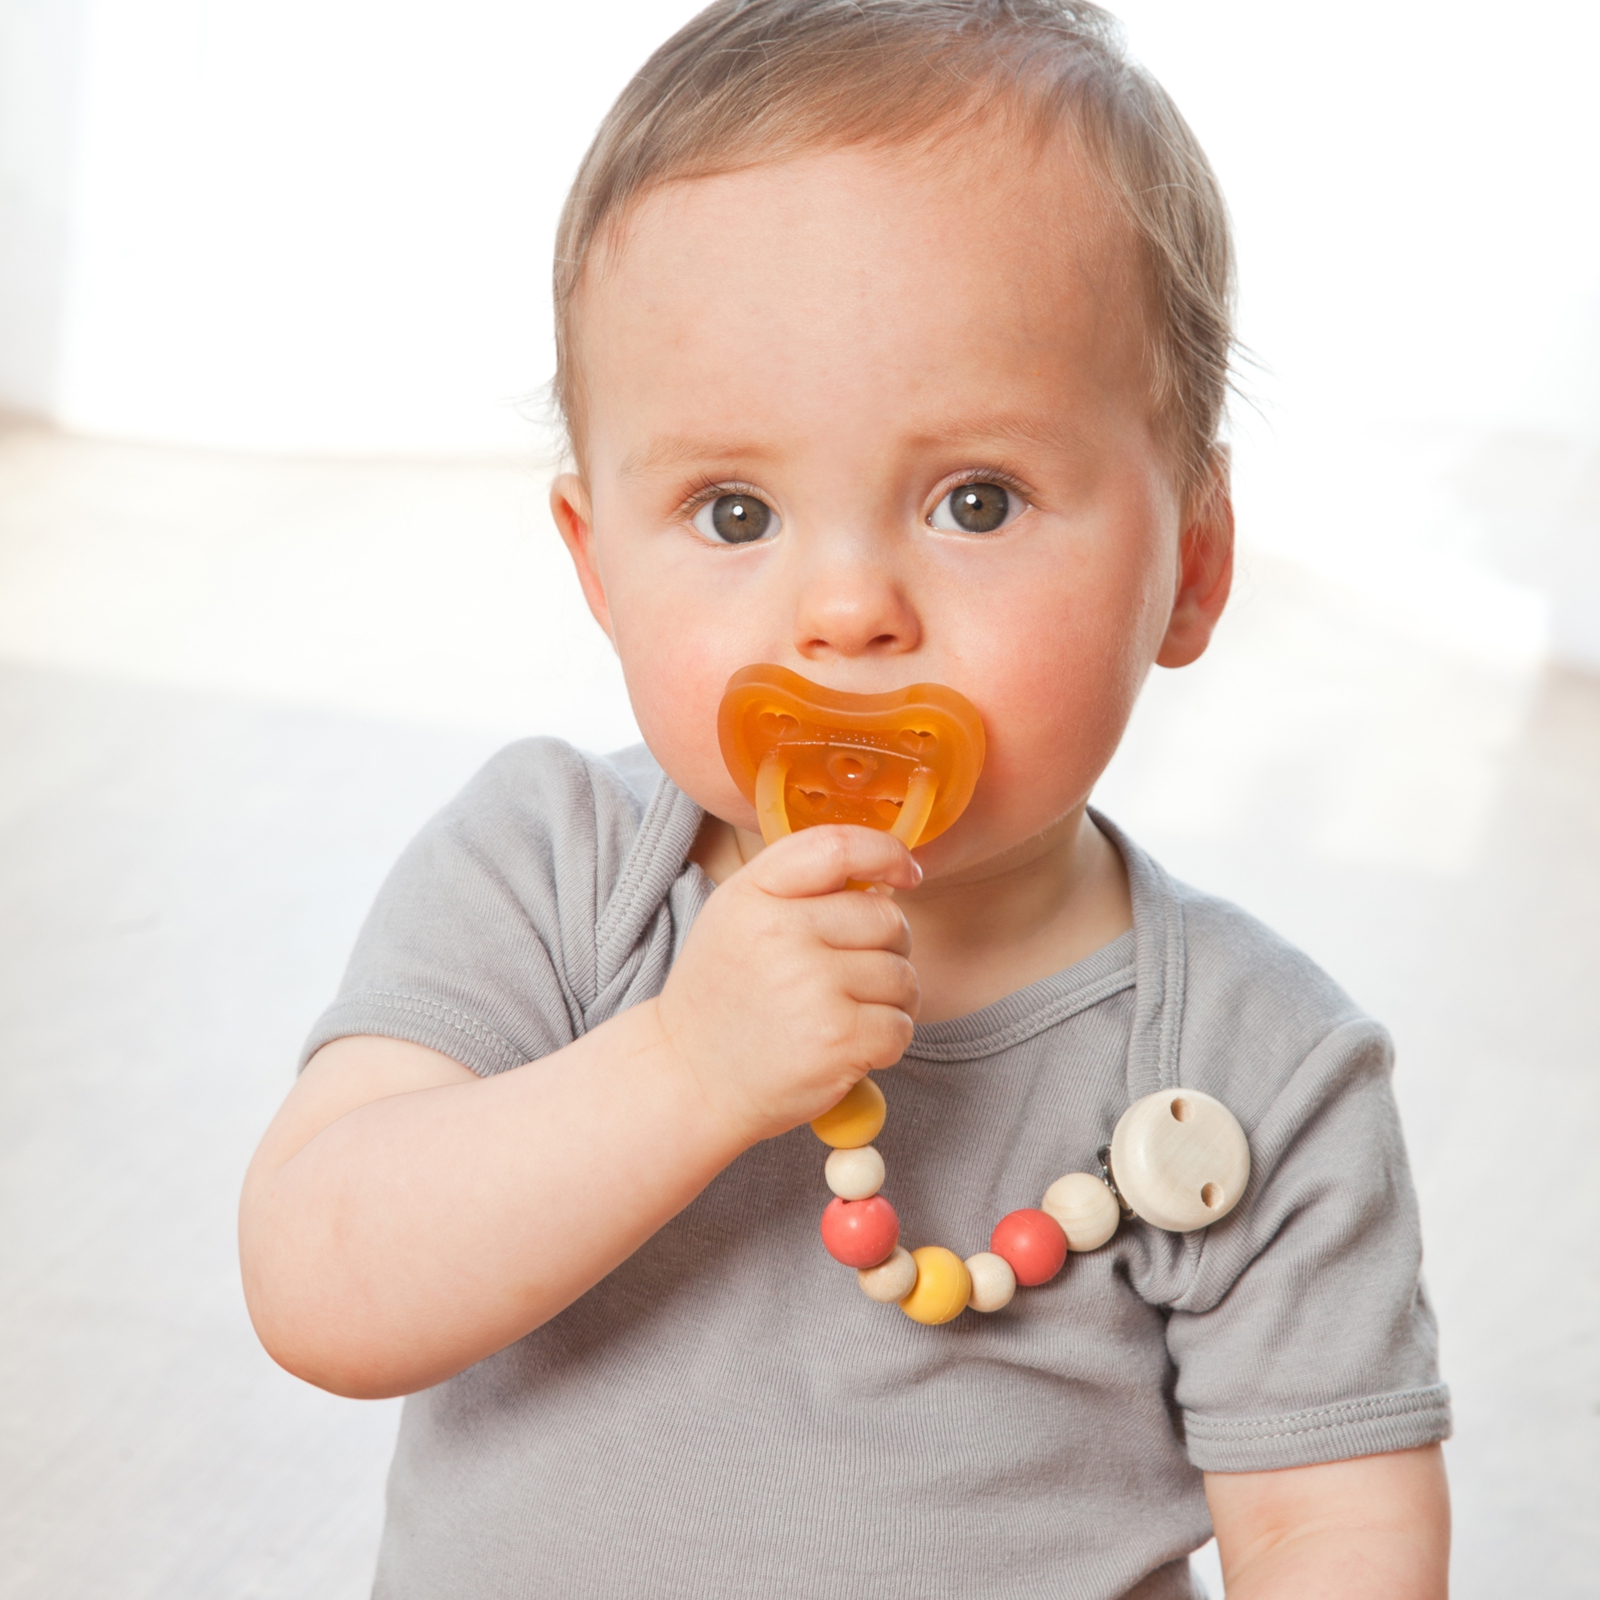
905	762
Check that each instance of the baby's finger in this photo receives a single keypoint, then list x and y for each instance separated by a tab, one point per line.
823	860
883	1035
878	978
850	920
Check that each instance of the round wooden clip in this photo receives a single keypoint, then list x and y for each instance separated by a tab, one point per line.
1180	1159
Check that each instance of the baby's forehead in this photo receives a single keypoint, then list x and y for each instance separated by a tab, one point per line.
973	190
862	294
846	229
1004	102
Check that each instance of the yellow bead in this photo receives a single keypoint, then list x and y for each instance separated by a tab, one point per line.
856	1120
943	1286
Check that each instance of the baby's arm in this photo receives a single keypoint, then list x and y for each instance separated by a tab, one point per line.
404	1218
1377	1528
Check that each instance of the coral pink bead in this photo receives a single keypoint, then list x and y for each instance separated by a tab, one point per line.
861	1233
1032	1243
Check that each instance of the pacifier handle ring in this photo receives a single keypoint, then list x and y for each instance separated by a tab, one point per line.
772	811
921	792
904	761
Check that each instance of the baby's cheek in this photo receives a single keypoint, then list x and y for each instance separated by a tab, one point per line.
1050	742
675	694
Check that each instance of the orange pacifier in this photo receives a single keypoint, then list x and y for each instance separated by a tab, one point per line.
905	762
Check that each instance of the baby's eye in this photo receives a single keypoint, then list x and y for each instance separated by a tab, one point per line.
977	508
735	519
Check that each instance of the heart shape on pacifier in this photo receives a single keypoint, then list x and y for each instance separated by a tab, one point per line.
905	762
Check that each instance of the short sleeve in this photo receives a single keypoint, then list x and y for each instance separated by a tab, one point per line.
482	942
1303	1333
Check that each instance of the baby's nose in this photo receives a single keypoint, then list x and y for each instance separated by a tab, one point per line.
853	607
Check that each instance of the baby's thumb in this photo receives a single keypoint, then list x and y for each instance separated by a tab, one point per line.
826	859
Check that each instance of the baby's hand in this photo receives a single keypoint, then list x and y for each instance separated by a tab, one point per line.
791	987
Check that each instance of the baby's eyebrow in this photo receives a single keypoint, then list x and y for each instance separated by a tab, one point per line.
964	430
996	427
674	450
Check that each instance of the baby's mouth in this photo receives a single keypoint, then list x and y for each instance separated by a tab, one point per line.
905	762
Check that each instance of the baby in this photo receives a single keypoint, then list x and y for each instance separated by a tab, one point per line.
893	342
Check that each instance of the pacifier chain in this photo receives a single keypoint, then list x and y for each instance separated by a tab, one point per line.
907	762
1177	1159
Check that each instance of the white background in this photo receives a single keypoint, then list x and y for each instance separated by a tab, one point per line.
281	272
324	226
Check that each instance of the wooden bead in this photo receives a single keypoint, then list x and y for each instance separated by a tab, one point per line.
993	1281
943	1286
1180	1159
860	1233
856	1120
1086	1209
892	1281
1033	1243
854	1174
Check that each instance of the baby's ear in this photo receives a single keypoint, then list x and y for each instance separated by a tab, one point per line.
1205	566
574	514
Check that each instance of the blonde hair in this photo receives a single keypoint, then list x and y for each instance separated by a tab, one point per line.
748	82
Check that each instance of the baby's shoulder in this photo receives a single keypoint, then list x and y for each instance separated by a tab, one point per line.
542	826
543	807
1256	1008
548	788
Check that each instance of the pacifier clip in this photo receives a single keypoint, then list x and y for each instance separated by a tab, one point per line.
907	762
1178	1159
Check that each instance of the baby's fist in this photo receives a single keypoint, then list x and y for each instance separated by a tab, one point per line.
791	987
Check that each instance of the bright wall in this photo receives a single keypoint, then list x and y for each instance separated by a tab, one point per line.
323	226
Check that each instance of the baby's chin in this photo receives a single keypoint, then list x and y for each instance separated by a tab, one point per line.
707	782
984	845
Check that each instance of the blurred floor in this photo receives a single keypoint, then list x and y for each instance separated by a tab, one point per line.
231	688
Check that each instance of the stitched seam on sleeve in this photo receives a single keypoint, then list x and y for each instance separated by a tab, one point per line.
1319	1419
596	976
393	1000
1175	975
638	895
1195	1243
621	906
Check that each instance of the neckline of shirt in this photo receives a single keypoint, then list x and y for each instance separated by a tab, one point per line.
670	823
1030	1010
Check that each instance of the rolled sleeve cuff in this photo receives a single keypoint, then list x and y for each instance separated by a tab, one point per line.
1341	1432
420	1019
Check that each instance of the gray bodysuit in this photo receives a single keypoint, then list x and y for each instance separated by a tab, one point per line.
727	1415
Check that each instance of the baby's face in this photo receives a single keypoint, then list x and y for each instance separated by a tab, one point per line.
882	419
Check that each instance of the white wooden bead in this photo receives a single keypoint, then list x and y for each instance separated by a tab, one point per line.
1086	1209
890	1280
993	1281
1180	1159
854	1174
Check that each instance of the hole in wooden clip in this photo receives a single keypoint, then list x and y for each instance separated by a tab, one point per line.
1181	1110
1211	1197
